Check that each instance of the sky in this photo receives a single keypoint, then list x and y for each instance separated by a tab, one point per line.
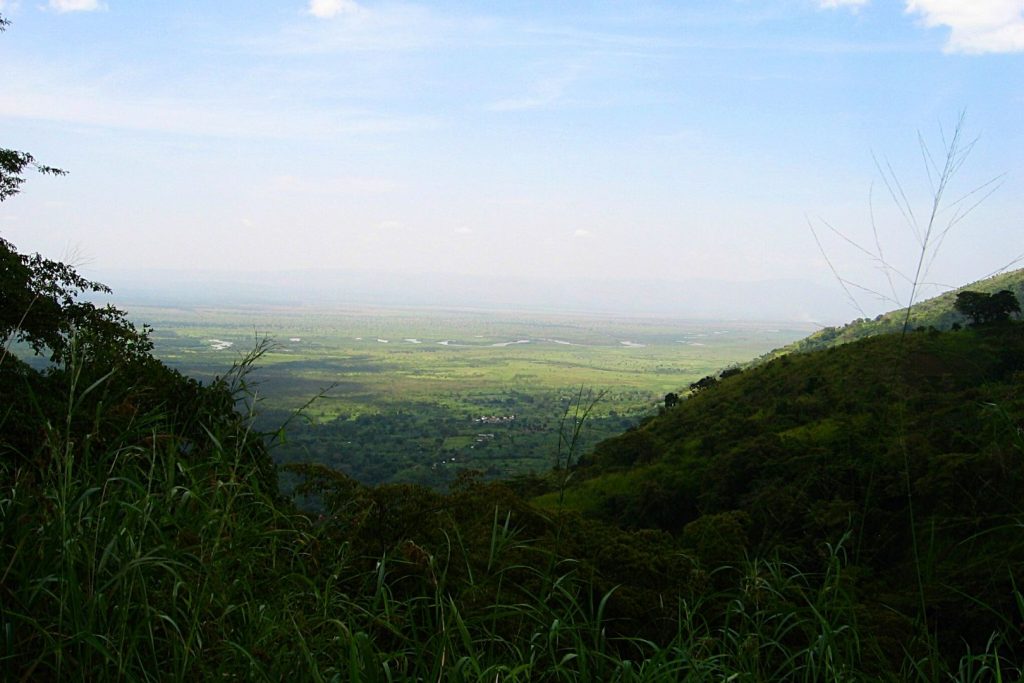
669	142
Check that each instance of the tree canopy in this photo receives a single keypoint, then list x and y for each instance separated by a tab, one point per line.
983	309
42	300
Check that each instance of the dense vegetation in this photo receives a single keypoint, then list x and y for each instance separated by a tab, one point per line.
912	445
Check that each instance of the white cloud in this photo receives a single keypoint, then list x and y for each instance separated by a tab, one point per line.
326	9
976	26
76	5
582	233
463	231
835	4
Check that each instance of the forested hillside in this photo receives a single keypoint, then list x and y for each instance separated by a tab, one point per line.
910	447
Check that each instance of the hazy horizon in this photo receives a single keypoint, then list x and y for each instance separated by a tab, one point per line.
792	300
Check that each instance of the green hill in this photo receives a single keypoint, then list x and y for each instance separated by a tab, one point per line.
937	312
909	449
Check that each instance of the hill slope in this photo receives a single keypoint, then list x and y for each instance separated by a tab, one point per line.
937	312
910	449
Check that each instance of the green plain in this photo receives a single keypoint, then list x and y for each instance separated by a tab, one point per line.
404	392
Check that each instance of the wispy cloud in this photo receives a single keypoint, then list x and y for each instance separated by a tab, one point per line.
385	28
582	233
835	4
545	92
76	5
977	26
328	9
48	95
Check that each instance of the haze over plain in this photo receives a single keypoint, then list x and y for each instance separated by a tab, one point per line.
554	154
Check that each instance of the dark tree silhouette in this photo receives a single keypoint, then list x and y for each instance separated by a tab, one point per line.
984	309
671	399
703	383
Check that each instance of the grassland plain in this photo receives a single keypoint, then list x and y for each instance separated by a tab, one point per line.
414	395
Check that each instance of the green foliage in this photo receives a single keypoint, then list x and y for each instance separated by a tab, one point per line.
813	445
43	306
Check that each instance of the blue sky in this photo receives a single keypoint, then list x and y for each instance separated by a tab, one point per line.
559	140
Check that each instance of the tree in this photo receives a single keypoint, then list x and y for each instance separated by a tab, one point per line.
40	303
671	399
40	299
13	163
703	383
984	309
124	399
